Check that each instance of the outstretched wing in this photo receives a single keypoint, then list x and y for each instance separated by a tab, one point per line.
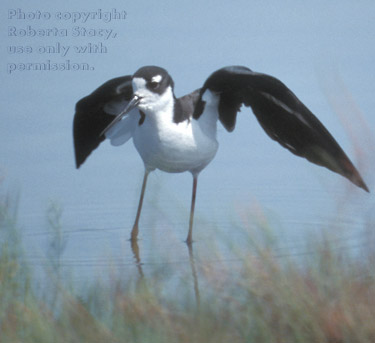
95	112
281	114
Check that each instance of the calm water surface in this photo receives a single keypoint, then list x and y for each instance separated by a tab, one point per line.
323	53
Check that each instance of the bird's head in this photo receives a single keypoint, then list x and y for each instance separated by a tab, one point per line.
152	89
152	93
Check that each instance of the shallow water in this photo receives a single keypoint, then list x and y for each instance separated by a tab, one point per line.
319	51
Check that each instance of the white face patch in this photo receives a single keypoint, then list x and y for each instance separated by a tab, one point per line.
151	101
156	78
139	83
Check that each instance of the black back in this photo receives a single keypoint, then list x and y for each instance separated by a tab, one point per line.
185	106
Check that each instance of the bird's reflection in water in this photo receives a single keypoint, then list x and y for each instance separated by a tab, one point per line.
194	274
139	264
137	258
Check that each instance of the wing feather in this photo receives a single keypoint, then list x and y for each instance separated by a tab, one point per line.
95	112
281	114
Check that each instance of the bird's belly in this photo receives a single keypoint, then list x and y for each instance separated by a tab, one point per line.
179	148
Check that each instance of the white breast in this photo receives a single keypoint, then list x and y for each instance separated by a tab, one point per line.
186	146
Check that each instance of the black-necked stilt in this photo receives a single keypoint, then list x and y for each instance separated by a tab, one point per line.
179	134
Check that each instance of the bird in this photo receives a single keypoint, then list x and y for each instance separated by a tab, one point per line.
177	135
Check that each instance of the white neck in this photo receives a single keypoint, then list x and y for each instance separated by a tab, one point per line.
162	110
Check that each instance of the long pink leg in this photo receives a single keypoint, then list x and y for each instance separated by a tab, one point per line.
189	239
134	234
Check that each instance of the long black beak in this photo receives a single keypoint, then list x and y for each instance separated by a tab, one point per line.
132	103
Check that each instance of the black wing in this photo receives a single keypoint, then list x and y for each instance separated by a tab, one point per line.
95	112
284	118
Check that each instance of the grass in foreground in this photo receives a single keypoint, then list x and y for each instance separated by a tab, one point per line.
329	297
